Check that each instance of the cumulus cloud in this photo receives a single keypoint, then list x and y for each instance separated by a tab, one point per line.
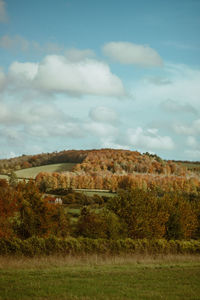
3	13
26	71
85	77
103	114
173	106
129	53
58	74
149	140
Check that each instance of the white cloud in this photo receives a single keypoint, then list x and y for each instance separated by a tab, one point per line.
17	42
109	142
173	106
193	154
2	80
26	71
57	74
74	54
20	44
148	140
191	141
193	129
3	13
129	53
183	87
103	114
100	129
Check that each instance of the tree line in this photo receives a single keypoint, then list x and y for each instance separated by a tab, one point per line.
47	181
134	213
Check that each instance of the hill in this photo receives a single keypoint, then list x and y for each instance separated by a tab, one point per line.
108	169
111	160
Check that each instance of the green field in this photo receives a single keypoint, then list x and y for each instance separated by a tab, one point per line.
32	172
91	193
3	176
195	167
92	278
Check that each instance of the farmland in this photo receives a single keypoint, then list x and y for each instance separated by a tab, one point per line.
3	176
32	172
192	166
95	277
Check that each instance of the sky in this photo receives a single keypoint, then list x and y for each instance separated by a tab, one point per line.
88	74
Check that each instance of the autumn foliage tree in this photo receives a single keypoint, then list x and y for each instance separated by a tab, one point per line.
8	208
37	217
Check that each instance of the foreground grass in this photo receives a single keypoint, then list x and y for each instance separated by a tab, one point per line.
93	277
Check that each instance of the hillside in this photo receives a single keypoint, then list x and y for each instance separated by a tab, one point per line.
34	171
109	160
104	169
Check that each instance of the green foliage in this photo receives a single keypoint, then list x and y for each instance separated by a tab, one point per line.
104	224
143	213
13	179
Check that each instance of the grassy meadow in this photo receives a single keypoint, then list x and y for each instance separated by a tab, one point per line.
3	176
32	172
98	277
194	167
91	193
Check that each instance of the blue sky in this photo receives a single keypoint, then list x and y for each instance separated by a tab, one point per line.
82	74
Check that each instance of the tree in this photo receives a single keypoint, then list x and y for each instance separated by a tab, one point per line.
37	217
143	213
13	179
183	218
8	209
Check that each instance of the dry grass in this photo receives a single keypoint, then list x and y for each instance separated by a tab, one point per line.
21	262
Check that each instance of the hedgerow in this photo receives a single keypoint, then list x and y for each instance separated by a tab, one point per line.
35	246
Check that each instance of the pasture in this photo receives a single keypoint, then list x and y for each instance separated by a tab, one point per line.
32	172
3	176
192	166
95	277
100	193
